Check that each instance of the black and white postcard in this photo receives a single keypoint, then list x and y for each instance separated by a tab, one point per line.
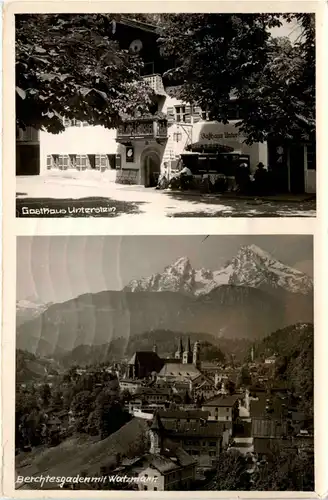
164	250
164	363
185	115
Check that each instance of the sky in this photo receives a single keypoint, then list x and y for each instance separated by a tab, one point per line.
58	268
291	30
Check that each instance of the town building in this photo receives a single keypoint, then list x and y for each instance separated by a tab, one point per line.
143	147
166	466
143	363
223	409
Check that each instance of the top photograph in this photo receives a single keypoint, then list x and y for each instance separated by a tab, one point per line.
170	115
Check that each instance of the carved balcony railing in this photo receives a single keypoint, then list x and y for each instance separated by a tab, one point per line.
142	129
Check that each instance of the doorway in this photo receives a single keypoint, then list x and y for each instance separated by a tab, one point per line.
152	168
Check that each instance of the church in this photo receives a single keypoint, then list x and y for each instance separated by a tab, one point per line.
185	366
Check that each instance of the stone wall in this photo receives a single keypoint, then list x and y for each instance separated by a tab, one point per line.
127	176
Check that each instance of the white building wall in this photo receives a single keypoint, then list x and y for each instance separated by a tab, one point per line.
310	175
77	140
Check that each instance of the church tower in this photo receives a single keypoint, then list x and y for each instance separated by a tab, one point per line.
196	355
156	435
179	352
187	355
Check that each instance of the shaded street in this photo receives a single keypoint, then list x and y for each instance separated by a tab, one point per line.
99	196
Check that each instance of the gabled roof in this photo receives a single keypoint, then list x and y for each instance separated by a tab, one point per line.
157	423
180	414
222	401
145	358
187	370
194	429
133	23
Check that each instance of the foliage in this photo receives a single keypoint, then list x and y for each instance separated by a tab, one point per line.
295	362
88	403
286	471
231	472
223	55
244	378
70	65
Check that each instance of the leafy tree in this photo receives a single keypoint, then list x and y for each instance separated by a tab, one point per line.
234	54
231	473
71	65
45	394
244	378
81	408
285	471
109	415
230	386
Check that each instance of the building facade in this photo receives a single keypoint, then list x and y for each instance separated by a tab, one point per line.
145	147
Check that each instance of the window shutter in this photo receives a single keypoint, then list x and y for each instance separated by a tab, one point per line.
118	161
97	162
83	162
188	114
170	114
197	114
60	162
103	162
49	162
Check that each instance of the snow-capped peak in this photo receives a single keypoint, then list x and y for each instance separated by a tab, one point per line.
252	267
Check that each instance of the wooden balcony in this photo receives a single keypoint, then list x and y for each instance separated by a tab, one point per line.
145	129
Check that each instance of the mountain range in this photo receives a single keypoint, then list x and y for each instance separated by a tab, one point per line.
28	309
251	267
250	297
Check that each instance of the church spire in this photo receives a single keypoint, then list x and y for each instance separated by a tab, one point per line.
179	352
187	355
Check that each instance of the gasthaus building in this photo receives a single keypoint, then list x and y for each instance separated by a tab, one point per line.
174	133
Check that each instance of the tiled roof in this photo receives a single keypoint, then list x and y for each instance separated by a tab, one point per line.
193	429
183	414
149	358
179	370
221	401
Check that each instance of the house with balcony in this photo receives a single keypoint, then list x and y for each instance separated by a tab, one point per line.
172	134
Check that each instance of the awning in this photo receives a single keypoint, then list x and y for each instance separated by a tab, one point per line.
200	147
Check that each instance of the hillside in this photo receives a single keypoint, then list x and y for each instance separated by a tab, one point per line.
227	311
294	347
31	368
84	454
166	342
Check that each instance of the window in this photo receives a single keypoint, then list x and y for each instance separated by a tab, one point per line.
145	488
155	488
227	418
85	124
212	443
83	162
227	410
180	113
205	115
75	123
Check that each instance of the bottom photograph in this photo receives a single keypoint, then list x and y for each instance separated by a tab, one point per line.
162	363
